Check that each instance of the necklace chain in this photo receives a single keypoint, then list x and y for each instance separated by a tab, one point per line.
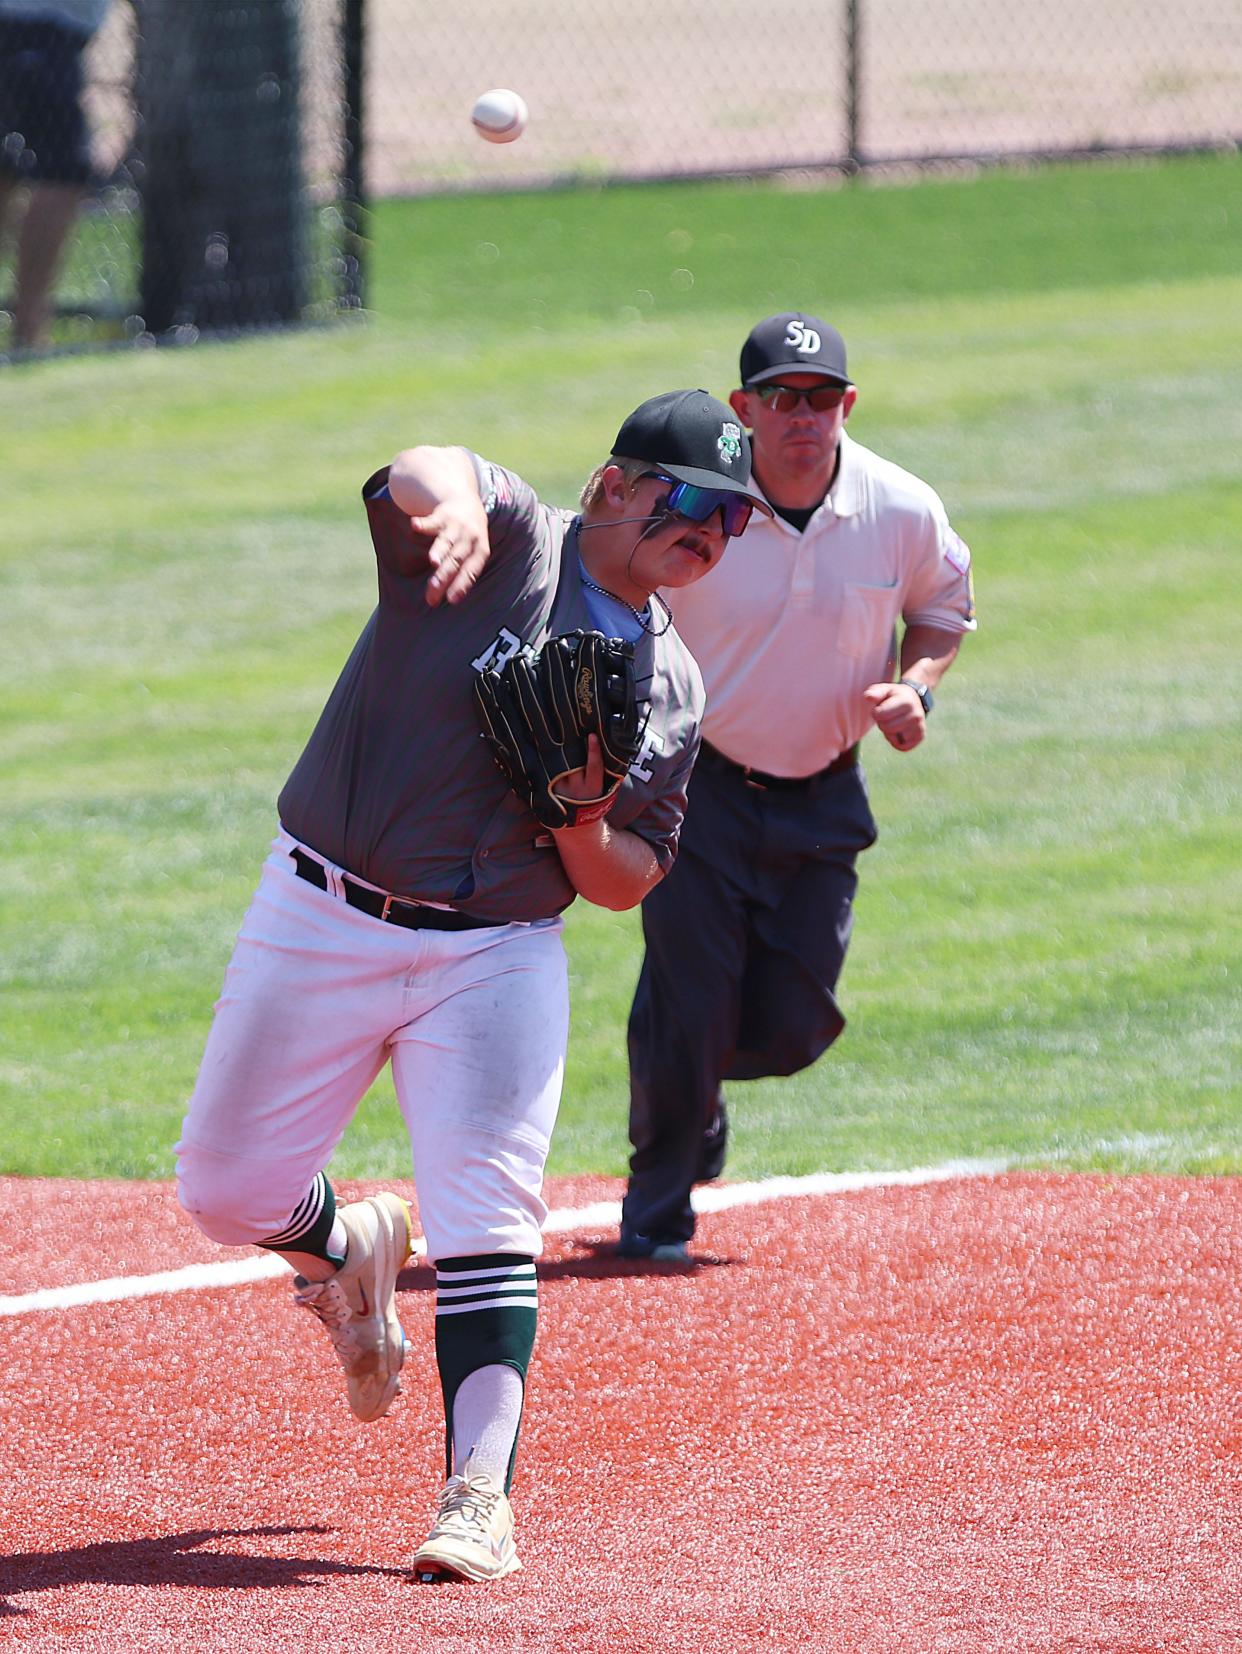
642	616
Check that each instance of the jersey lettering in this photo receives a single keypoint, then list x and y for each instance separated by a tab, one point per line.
800	337
502	648
653	745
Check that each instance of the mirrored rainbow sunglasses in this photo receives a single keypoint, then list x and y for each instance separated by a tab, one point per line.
697	504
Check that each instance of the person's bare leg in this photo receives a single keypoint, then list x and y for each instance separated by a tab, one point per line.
10	224
8	194
49	217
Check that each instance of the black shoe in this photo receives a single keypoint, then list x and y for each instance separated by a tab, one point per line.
634	1245
712	1152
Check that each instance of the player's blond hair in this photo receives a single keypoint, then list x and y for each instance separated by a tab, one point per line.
593	488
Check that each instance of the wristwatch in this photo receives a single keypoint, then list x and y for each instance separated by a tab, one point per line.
922	691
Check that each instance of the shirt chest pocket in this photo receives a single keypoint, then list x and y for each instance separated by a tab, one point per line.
868	615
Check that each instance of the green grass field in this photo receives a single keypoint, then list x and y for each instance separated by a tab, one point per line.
1046	959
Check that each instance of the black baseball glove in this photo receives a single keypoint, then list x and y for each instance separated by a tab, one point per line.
538	709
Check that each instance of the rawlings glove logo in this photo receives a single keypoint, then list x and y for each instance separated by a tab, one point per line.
584	695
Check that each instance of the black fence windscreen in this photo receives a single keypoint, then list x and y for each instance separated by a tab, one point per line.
203	153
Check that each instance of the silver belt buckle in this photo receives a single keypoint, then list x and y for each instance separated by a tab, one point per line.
401	901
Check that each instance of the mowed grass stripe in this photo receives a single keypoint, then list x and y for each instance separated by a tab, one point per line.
1044	965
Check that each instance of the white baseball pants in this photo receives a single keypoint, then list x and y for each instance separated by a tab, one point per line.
316	998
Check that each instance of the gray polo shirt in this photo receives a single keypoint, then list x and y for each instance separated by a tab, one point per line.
396	783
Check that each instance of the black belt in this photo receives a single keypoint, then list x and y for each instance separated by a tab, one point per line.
714	760
394	910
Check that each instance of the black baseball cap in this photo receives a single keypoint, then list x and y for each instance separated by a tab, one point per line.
692	438
793	343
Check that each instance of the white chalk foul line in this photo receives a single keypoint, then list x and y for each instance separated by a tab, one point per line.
604	1213
190	1279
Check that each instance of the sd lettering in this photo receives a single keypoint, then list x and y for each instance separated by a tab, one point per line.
800	337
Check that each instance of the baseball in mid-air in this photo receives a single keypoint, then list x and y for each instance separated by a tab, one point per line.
500	116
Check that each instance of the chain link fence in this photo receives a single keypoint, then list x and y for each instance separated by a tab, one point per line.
232	140
682	88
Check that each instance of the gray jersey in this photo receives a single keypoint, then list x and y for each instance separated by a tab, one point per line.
396	783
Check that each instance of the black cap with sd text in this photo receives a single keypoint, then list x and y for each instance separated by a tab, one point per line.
692	438
793	343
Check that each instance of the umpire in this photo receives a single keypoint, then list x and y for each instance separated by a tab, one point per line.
796	638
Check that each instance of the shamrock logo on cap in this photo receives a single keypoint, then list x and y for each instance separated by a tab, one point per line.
729	443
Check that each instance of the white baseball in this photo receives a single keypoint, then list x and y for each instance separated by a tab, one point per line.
500	116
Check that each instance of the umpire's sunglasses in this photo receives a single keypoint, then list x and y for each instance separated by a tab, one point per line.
785	398
697	504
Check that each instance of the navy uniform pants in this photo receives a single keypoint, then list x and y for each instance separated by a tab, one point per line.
745	940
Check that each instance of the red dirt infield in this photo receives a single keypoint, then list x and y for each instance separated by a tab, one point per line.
988	1414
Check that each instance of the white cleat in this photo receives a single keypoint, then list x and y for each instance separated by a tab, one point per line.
357	1305
473	1533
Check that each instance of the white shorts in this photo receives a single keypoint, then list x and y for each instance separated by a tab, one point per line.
316	998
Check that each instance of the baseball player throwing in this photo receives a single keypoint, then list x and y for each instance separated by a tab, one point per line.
409	911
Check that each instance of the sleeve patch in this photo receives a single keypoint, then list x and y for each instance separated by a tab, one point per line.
497	491
957	552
